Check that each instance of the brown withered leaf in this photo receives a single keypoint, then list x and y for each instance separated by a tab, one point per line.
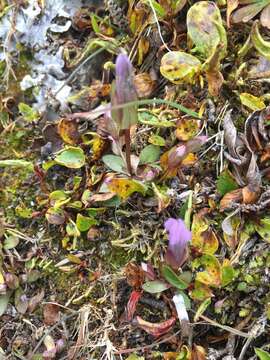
198	353
239	152
144	84
68	130
215	81
253	176
99	90
143	48
256	131
100	197
135	275
231	6
252	8
250	194
155	329
81	20
51	314
235	196
35	301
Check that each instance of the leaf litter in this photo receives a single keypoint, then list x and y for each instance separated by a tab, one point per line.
134	188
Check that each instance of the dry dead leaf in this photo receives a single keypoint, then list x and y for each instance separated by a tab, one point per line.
35	301
135	275
51	314
144	85
235	196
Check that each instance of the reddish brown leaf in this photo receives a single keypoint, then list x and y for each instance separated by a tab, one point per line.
135	275
235	196
155	329
51	314
250	194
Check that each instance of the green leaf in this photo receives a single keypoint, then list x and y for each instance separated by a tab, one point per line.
160	11
262	46
4	299
72	229
28	113
58	198
149	154
227	274
226	183
11	242
23	212
84	222
147	118
186	300
135	357
205	29
157	140
252	102
17	163
173	279
201	309
71	157
262	355
155	286
114	163
180	67
94	23
263	228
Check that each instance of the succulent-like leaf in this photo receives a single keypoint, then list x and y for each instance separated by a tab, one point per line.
179	67
205	28
261	45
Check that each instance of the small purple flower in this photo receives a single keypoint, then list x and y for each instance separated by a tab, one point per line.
124	92
179	236
124	77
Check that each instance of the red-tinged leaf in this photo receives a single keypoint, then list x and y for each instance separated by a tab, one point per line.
132	303
155	329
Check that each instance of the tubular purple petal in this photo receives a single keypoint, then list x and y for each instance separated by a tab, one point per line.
179	236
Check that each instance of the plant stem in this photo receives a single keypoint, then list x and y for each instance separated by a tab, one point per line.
127	141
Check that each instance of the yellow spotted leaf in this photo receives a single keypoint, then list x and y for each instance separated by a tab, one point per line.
125	187
187	128
203	237
254	103
211	275
68	130
200	292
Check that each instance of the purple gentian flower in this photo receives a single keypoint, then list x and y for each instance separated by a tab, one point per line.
123	76
124	92
179	236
